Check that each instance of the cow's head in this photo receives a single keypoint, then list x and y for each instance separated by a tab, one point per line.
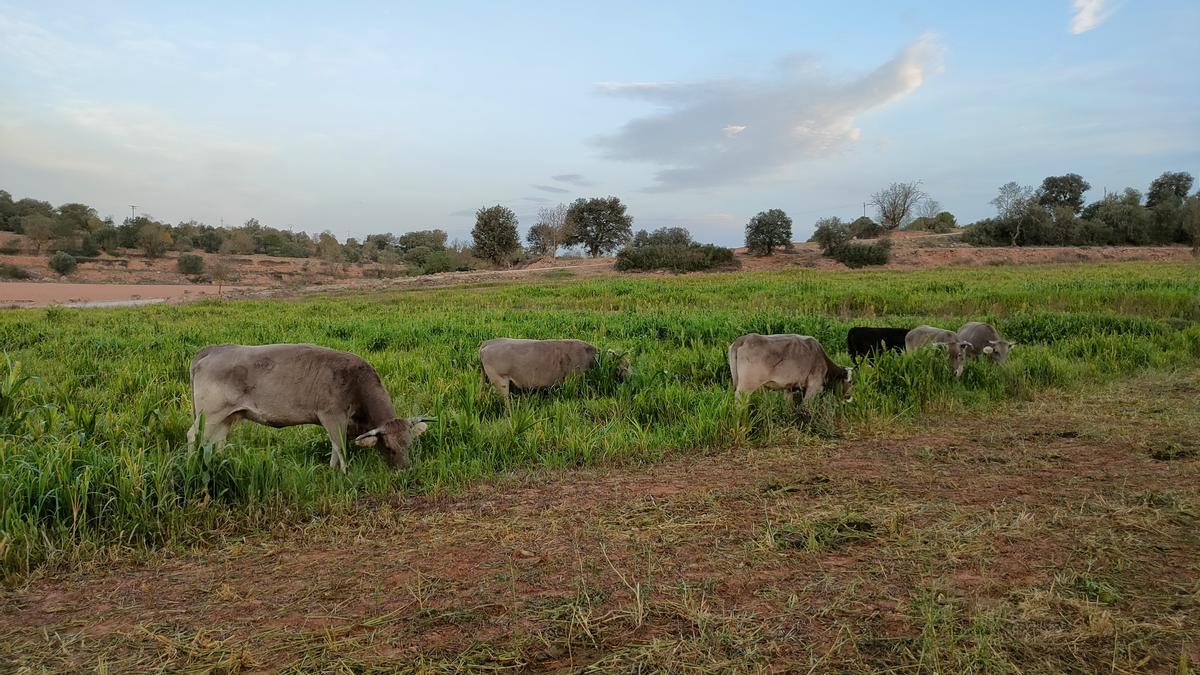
395	437
624	371
997	350
959	351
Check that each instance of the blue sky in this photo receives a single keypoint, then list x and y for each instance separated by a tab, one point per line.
366	117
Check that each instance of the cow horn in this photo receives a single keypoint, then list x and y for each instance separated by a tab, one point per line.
416	420
367	434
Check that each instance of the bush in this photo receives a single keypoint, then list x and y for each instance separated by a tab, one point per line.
857	255
190	263
767	231
942	223
62	262
13	272
691	258
830	234
865	228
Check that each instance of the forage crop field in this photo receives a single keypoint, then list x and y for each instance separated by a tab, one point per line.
94	404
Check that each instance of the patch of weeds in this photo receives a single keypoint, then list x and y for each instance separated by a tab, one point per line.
823	533
1083	586
1172	450
812	485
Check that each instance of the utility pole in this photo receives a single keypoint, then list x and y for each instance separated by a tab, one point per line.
864	209
132	208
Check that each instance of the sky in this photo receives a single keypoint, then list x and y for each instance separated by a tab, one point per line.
372	117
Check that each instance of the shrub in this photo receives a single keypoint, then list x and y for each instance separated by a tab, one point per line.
62	262
691	258
190	263
865	228
942	223
13	272
830	234
853	254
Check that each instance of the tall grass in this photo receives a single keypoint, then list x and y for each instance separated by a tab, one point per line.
93	419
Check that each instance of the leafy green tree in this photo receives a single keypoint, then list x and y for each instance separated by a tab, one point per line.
154	239
599	224
831	234
1066	190
1172	186
328	248
495	233
434	240
62	262
768	230
39	229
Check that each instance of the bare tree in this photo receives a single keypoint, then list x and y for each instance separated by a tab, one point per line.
929	209
896	202
550	231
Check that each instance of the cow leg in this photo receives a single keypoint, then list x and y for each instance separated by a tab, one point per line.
499	382
813	388
336	428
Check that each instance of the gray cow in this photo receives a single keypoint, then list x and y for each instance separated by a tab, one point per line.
538	364
291	384
923	336
985	341
787	362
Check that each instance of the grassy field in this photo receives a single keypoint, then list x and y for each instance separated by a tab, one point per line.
94	404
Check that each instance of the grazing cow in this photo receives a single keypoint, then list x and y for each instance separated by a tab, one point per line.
290	384
787	362
870	342
512	363
957	349
985	341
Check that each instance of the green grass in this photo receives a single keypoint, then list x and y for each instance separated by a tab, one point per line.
92	450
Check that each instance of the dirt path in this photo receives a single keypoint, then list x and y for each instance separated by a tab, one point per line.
41	294
1043	538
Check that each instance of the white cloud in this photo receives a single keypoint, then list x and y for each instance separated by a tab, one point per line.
1088	15
793	116
551	188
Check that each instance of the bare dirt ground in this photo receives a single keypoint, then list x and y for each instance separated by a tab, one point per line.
133	277
1056	535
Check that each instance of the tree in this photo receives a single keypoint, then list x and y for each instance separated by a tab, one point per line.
222	272
39	229
238	241
664	236
600	224
550	231
896	202
434	240
328	248
1012	198
1191	220
1066	190
155	239
62	262
768	230
929	208
1172	186
831	234
495	233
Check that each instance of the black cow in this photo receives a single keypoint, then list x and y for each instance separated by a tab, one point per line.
863	341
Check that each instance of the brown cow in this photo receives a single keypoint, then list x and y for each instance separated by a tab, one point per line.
957	349
291	384
787	362
538	364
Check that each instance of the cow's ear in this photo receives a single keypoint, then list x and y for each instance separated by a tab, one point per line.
368	439
420	428
989	349
1011	345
